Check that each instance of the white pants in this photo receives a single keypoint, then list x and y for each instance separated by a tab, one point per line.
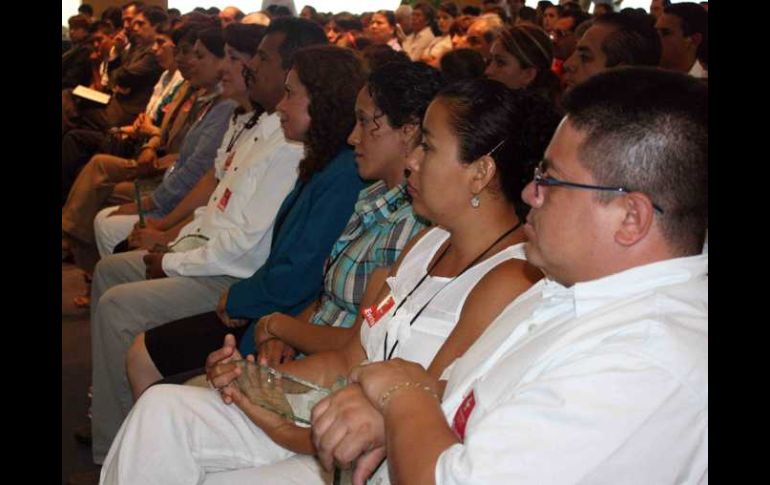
187	435
295	470
123	305
109	231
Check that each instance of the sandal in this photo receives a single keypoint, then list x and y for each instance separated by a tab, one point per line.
84	301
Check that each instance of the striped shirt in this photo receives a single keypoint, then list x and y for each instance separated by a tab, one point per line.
381	225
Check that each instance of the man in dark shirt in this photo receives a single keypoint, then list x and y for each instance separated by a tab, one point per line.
75	62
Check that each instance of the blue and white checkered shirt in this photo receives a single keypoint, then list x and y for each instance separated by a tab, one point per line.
381	225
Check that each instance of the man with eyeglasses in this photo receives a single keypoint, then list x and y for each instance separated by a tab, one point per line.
599	372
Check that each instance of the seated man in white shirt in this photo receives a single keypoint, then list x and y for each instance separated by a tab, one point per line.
598	373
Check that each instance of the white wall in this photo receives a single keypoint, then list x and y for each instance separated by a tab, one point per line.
248	6
68	9
353	6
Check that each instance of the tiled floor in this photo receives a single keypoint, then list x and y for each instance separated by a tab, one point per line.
76	372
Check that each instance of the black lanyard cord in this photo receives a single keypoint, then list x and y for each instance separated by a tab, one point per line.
246	126
388	356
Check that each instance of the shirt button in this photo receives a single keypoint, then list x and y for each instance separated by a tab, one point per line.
531	327
215	198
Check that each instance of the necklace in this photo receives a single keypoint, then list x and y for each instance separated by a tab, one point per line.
388	355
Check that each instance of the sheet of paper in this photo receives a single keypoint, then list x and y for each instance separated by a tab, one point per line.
91	94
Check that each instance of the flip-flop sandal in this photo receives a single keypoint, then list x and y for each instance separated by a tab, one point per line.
84	301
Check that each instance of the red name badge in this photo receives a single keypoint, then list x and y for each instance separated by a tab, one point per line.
374	313
224	200
462	415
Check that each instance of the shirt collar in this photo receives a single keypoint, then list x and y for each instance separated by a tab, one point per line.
268	124
425	31
378	204
589	295
204	98
697	70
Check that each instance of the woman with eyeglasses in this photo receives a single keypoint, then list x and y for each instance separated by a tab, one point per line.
478	143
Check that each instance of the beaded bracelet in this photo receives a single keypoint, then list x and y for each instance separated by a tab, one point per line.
385	397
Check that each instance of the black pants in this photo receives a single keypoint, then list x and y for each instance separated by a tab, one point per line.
183	345
79	113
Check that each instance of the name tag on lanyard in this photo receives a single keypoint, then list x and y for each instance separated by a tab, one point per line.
374	313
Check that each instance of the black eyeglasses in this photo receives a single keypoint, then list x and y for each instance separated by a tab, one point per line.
549	181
